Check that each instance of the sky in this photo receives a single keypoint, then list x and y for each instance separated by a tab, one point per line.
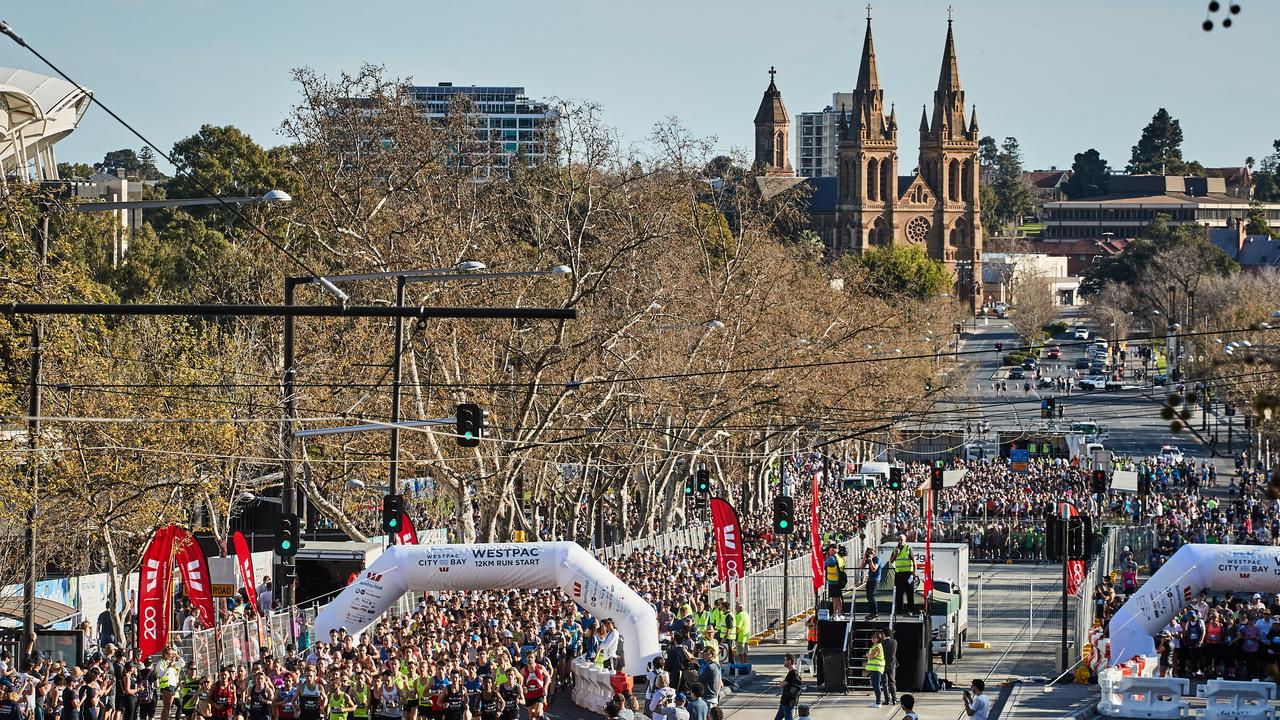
1060	76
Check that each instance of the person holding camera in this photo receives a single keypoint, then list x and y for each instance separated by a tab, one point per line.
976	704
871	565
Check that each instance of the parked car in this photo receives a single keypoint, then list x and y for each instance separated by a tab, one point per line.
1097	368
1029	364
1170	454
1082	333
1017	373
1082	363
1055	353
1160	379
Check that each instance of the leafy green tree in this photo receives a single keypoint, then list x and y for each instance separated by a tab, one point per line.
226	161
1266	181
1257	224
1090	175
68	171
903	271
1159	150
123	159
1160	245
1012	196
988	155
147	169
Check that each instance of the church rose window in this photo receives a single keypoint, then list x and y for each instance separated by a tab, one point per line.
917	229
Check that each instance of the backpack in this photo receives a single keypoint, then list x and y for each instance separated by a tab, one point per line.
842	579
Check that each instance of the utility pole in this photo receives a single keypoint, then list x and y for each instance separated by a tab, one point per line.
41	237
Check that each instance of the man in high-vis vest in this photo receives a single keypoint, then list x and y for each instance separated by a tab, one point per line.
742	632
904	568
833	566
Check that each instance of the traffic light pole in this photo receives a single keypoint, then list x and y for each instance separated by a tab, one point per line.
1066	564
286	570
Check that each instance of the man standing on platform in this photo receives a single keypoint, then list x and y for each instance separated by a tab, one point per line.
904	568
833	568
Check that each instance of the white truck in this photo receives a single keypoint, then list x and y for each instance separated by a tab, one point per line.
949	604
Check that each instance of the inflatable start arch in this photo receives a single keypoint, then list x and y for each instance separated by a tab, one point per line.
498	566
1239	568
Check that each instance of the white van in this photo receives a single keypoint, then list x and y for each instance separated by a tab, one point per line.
876	467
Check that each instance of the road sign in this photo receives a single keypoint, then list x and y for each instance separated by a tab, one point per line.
1102	460
1020	460
222	576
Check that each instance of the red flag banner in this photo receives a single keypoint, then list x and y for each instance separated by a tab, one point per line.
408	535
928	545
816	558
724	520
244	560
195	574
154	579
1075	576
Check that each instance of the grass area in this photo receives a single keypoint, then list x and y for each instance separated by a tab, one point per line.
1032	230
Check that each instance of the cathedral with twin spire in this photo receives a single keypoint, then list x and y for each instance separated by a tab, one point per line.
935	207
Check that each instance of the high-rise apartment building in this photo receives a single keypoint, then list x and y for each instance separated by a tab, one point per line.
515	123
818	138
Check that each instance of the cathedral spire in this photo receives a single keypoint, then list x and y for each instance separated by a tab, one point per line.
973	122
773	131
924	118
868	78
949	76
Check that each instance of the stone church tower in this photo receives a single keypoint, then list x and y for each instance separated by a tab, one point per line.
773	133
936	207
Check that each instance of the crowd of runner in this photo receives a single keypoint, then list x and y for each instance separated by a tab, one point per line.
486	655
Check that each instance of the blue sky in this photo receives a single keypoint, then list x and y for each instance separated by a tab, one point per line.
1060	76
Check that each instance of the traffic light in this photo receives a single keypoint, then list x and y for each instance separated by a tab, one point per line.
1047	408
784	515
470	424
895	478
287	535
1080	538
688	489
700	503
936	475
392	512
1099	482
702	479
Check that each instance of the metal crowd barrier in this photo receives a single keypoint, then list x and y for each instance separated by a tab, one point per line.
1114	539
692	536
762	592
241	642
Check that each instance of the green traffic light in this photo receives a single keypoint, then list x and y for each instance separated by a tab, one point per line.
394	523
467	434
286	544
784	524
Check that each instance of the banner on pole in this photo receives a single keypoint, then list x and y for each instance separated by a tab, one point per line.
195	574
816	559
154	596
1075	576
728	534
407	535
245	560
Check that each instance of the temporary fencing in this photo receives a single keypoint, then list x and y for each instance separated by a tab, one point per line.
1114	539
776	594
242	641
692	536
